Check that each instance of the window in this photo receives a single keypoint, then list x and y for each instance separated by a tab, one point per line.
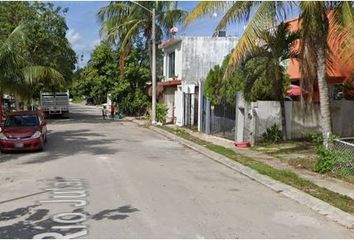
171	65
338	91
22	121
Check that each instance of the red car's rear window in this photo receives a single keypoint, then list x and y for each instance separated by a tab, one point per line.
30	120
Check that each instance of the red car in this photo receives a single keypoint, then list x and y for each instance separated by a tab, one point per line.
26	130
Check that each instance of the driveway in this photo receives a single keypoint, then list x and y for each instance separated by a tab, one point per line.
104	179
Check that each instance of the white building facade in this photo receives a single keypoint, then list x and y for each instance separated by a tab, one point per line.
187	61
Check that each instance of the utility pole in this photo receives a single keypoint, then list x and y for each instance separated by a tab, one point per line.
153	67
153	117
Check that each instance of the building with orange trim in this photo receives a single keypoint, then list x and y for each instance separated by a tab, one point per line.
340	73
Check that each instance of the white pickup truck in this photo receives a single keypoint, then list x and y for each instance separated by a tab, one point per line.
55	103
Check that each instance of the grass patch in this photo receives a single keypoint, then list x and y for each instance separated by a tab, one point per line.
344	177
78	99
299	154
285	176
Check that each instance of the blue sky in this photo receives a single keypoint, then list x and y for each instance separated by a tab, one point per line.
84	26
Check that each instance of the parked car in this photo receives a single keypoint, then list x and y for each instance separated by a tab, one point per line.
90	101
25	130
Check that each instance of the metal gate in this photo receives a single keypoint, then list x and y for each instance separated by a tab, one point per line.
187	109
204	109
222	120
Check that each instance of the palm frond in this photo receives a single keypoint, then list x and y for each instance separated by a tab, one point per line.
11	60
240	10
341	34
114	9
115	31
263	19
130	33
10	44
169	18
205	7
47	75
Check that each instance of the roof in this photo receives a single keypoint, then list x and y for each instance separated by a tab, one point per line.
170	83
339	69
169	42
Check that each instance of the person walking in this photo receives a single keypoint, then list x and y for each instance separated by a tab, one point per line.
112	111
104	112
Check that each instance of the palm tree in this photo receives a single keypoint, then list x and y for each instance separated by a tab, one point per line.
17	74
9	61
314	16
320	21
275	48
124	22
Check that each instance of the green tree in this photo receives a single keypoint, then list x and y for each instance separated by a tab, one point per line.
256	85
46	43
219	90
100	75
314	34
50	47
275	48
129	92
11	15
315	51
16	72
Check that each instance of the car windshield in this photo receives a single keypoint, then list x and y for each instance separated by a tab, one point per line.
21	121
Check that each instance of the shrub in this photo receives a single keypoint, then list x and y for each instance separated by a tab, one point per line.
78	99
325	159
161	113
272	134
325	156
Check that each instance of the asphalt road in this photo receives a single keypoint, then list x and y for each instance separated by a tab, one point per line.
104	179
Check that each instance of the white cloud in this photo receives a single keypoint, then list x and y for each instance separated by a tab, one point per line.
81	46
73	37
94	43
86	50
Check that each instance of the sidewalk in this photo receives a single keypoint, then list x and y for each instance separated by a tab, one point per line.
333	184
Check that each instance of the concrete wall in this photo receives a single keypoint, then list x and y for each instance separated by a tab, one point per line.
266	113
179	106
302	122
200	54
242	119
343	117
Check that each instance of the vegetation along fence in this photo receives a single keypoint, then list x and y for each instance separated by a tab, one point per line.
344	158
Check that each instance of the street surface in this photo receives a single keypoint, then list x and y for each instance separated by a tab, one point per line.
104	179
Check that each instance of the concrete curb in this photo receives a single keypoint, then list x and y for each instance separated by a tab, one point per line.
303	198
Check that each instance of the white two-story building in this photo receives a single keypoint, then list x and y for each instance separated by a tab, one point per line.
187	61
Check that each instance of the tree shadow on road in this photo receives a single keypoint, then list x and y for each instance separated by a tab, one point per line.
72	142
37	221
119	213
31	221
5	216
68	143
